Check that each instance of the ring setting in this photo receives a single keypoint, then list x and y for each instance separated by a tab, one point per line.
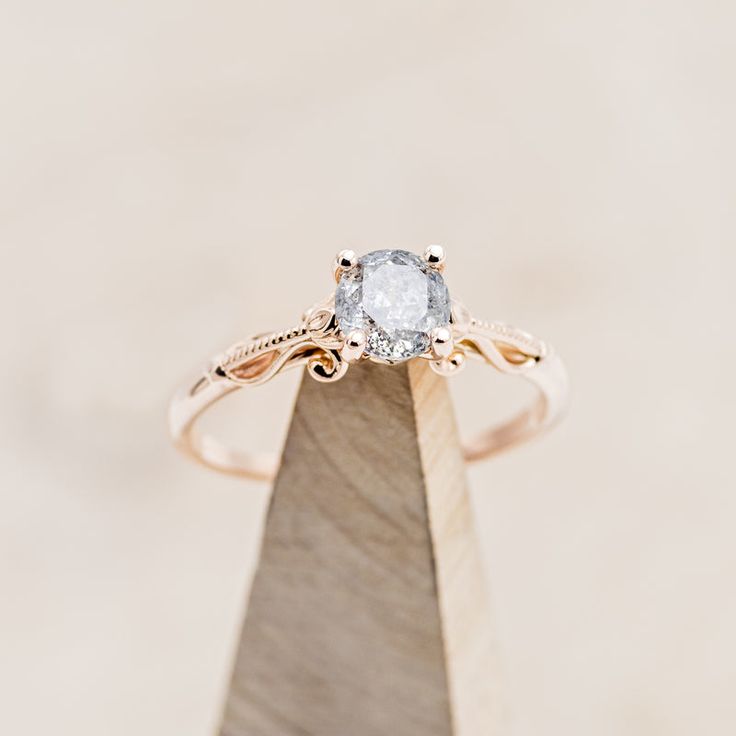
389	306
391	303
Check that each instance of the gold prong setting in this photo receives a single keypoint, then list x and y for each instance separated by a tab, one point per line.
450	365
344	261
442	343
435	257
354	348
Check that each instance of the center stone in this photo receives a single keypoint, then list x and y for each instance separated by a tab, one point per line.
397	299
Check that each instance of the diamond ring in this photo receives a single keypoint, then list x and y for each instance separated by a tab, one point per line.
389	306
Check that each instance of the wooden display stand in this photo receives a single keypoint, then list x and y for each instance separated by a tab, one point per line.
368	614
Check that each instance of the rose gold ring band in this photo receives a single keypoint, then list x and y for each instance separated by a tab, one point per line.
318	344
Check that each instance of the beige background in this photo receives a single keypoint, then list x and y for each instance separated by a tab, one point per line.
168	168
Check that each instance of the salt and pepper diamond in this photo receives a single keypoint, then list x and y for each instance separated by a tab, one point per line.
396	298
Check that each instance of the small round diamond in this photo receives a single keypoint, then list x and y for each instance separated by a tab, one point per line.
397	299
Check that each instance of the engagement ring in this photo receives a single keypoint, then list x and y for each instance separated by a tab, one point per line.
389	306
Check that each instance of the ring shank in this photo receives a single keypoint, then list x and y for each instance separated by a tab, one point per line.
186	408
547	375
550	380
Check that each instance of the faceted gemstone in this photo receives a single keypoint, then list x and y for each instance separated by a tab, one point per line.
396	299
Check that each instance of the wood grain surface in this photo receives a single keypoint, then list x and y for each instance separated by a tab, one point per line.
368	612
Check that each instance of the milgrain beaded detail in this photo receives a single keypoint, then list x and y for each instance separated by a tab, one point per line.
259	344
532	346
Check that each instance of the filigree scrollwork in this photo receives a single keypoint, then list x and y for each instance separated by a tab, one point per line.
315	343
326	366
507	349
322	328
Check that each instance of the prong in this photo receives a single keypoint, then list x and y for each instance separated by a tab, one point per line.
344	260
355	343
457	360
450	365
442	343
434	255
